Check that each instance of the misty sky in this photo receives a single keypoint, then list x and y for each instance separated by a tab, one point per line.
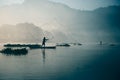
63	22
88	4
77	4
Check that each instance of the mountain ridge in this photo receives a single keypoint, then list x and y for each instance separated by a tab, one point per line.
83	26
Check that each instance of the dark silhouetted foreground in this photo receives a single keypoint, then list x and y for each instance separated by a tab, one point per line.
10	51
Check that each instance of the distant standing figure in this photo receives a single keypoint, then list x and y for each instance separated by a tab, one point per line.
100	42
43	42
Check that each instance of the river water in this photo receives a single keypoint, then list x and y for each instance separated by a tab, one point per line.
86	62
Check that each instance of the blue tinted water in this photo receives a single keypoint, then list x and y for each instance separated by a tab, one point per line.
87	62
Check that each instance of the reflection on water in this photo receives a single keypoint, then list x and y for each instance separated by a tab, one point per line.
43	53
85	62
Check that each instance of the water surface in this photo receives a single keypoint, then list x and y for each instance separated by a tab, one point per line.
86	62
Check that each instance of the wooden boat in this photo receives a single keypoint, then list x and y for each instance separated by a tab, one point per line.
48	47
112	45
31	46
22	45
63	45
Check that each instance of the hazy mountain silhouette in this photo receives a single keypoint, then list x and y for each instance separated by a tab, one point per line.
23	32
65	23
27	33
102	23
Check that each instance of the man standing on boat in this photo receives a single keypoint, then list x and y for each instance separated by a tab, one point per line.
43	42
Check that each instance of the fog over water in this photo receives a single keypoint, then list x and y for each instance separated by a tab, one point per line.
87	62
91	27
60	22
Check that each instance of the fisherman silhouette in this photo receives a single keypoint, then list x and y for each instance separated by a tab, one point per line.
43	42
100	42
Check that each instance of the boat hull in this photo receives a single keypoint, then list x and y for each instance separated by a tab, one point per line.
31	46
